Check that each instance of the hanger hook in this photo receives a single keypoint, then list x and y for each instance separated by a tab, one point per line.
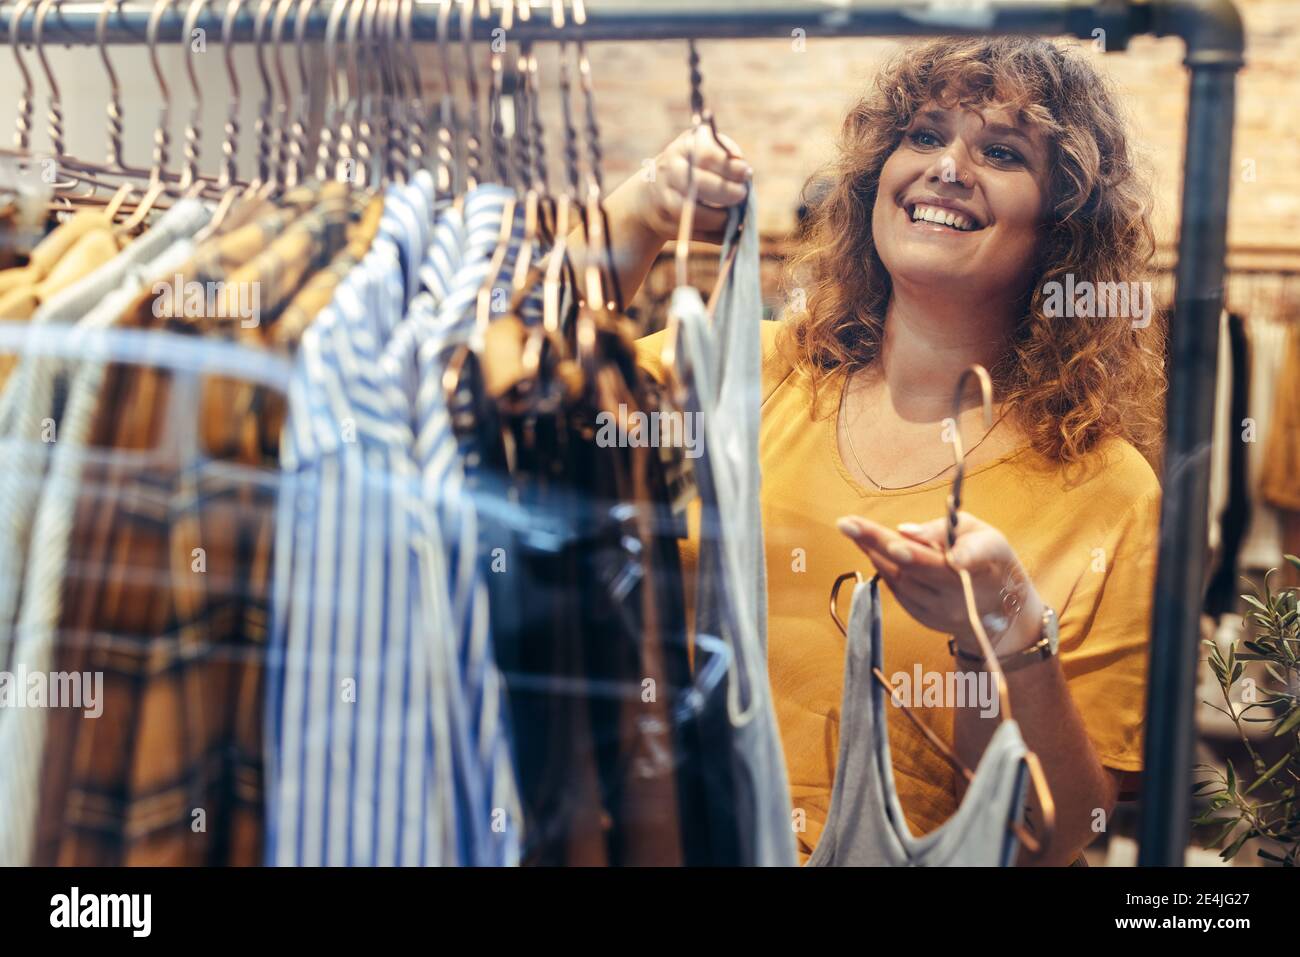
162	135
348	132
26	102
55	113
496	89
114	89
404	128
298	140
370	81
535	117
393	92
262	127
190	179
448	123
419	144
958	451
410	128
835	599
473	130
230	140
327	147
284	107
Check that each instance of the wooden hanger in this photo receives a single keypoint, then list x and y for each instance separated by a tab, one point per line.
1034	845
701	117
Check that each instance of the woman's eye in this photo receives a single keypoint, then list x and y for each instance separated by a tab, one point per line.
924	138
1003	154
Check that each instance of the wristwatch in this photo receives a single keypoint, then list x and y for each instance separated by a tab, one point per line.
1046	646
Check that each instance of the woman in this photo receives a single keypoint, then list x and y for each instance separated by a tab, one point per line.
976	174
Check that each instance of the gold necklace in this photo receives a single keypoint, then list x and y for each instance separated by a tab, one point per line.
848	435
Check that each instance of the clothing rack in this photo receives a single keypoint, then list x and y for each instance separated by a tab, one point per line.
1212	33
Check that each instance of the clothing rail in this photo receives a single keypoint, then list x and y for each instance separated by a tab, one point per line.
1212	33
659	20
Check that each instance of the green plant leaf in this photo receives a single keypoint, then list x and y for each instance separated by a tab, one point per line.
1231	850
1268	775
1292	720
1229	824
1256	603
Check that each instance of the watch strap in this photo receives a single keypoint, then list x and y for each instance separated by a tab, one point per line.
1038	651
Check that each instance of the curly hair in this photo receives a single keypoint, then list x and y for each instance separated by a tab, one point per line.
1070	382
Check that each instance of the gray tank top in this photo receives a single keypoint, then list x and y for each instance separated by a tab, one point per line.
723	358
865	826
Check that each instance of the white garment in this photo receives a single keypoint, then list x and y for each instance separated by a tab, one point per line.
27	405
866	826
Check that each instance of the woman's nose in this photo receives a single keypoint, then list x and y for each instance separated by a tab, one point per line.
951	166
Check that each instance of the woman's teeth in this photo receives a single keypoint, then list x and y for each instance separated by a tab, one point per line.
943	217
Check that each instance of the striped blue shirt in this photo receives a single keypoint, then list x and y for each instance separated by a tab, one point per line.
440	319
363	674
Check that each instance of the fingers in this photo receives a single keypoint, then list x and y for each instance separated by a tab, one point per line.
920	557
710	155
720	180
934	533
706	222
921	603
713	188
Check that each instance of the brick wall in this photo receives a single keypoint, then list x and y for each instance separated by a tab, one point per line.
783	101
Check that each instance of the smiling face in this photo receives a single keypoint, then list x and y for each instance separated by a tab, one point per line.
960	204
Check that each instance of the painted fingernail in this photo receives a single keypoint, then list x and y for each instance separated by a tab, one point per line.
910	527
899	552
849	526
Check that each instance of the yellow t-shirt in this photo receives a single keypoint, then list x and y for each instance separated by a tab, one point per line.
1087	537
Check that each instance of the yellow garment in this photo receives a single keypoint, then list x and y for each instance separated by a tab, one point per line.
1279	481
1089	548
317	292
51	249
69	253
87	254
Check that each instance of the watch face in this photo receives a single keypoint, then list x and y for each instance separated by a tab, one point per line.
1053	631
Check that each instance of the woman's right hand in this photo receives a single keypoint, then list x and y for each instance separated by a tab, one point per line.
723	181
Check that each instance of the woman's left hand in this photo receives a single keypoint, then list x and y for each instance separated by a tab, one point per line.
911	562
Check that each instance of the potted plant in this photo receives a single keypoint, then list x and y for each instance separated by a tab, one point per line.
1260	802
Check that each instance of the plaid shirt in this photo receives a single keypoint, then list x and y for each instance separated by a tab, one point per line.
167	589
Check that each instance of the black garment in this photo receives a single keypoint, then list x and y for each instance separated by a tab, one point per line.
1222	591
588	622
